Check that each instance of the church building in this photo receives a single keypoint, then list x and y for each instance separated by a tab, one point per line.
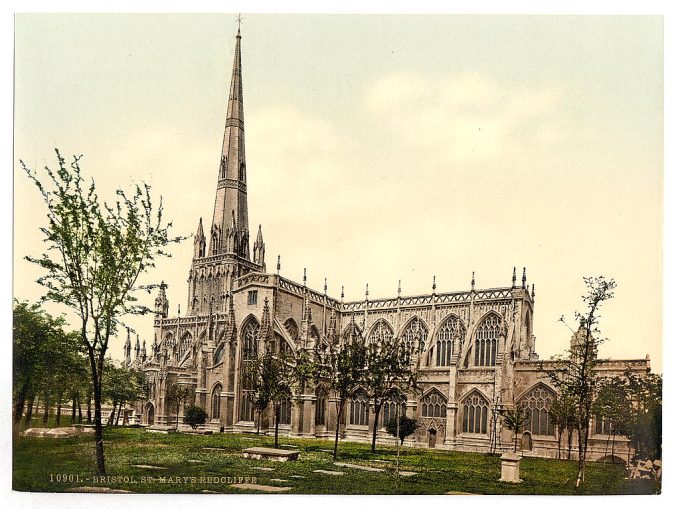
476	345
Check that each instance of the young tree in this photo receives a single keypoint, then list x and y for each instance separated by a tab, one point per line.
389	372
575	375
177	395
644	426
612	405
342	369
95	253
514	419
254	381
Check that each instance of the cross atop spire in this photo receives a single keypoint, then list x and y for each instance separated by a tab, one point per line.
239	20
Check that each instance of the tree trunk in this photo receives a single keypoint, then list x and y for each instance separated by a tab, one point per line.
341	406
109	421
277	411
58	419
20	403
376	414
569	438
73	409
259	421
559	444
98	429
29	410
46	414
80	411
120	407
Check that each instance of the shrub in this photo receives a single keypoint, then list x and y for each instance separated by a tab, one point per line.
407	427
194	416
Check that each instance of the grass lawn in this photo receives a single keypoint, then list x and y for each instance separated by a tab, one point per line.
185	456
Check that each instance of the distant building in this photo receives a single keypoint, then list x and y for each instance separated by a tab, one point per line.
476	346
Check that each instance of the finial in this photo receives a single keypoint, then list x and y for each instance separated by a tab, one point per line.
514	277
178	310
366	291
434	283
304	277
325	286
533	292
278	264
239	20
524	277
342	293
472	283
399	289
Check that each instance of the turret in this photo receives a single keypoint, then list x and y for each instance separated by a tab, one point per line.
127	349
137	348
258	250
199	241
162	305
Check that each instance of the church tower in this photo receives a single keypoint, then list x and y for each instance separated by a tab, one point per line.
222	251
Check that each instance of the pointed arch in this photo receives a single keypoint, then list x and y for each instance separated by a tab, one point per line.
358	411
321	394
184	345
351	331
414	334
381	331
249	331
314	334
536	402
433	404
475	415
292	329
215	402
448	339
484	342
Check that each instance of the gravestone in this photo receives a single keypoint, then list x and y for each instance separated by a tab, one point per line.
510	468
266	453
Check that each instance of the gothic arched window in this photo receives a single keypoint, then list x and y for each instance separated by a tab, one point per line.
358	414
250	340
433	405
451	331
352	332
320	414
381	332
219	354
215	401
390	409
537	404
475	414
292	329
414	335
247	409
486	340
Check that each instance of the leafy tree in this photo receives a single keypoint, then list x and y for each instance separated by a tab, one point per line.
613	405
176	395
514	419
562	413
575	375
254	382
342	369
407	427
95	253
194	416
389	372
122	385
645	402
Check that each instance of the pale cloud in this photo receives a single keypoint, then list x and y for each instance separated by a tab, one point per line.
462	118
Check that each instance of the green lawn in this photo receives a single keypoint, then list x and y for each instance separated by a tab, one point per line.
184	456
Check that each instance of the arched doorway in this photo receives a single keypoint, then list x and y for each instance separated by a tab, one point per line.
527	441
431	437
149	413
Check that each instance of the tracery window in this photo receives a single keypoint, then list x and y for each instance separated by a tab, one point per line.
352	332
250	340
475	414
451	331
358	414
486	341
390	409
433	405
219	354
381	332
537	403
414	335
215	401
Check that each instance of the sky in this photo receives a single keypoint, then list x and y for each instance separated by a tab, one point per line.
379	148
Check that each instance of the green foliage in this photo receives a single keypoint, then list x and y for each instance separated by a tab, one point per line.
515	419
95	252
407	427
194	416
176	395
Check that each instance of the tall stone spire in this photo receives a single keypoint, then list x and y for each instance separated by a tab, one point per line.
231	196
199	240
258	250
